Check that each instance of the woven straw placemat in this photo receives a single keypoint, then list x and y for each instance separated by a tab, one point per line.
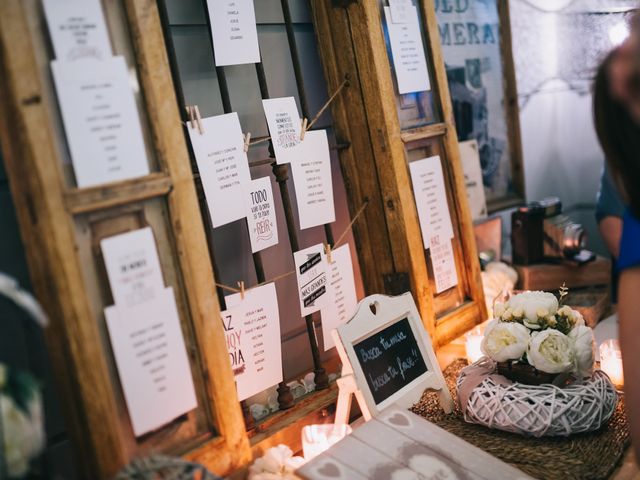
593	455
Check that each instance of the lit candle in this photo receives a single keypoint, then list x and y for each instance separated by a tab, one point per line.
472	343
611	361
318	438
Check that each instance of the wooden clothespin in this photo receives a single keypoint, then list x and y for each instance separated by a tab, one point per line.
241	287
247	142
303	128
191	115
198	119
327	251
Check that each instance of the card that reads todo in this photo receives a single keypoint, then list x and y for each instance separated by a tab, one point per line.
311	272
234	32
101	120
261	214
252	330
223	166
284	125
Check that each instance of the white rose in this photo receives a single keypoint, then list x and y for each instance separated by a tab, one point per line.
504	341
584	346
551	351
531	302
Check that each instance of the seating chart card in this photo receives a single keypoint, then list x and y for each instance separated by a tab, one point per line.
343	300
284	125
77	29
312	180
101	120
261	214
252	329
444	264
223	166
311	272
234	32
431	199
407	51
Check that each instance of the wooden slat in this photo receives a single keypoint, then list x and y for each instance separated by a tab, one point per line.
84	200
457	322
428	131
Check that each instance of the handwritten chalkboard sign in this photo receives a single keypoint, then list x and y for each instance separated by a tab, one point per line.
390	359
387	358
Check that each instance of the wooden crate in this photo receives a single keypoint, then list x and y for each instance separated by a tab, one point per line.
549	277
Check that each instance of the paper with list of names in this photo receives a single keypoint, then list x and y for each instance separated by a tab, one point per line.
234	32
407	51
343	300
285	126
311	273
252	330
261	214
100	120
312	179
431	199
223	166
77	29
443	263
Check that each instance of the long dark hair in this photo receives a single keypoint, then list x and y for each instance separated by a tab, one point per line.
619	136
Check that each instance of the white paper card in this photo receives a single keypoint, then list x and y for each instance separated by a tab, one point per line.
284	125
312	180
261	215
312	279
343	301
234	32
101	120
223	166
400	10
431	199
152	361
77	29
470	157
443	262
133	267
407	50
252	328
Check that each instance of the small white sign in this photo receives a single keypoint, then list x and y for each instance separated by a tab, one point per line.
261	215
101	120
133	267
407	50
284	125
77	29
234	32
343	300
152	361
223	166
444	264
470	157
431	199
312	180
252	329
312	279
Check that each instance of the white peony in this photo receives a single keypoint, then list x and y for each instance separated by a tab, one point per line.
577	318
23	434
551	351
584	346
532	302
277	463
504	341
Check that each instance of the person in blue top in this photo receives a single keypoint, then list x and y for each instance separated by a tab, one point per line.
616	104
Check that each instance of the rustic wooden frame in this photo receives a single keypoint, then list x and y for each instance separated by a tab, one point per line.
352	44
46	210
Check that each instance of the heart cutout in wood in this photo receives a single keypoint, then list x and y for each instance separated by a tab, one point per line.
399	419
329	470
373	307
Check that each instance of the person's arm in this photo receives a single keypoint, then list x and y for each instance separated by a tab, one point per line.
629	334
611	231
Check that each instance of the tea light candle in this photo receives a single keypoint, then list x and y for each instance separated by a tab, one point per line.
473	340
611	361
318	438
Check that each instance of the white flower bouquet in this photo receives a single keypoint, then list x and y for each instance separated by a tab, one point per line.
22	435
534	340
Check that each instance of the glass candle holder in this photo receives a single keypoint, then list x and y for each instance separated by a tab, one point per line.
473	339
318	438
611	361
